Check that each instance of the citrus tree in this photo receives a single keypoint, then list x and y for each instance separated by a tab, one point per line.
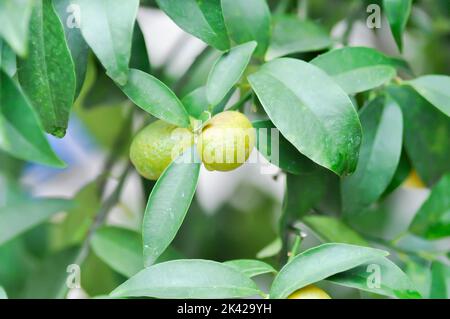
355	132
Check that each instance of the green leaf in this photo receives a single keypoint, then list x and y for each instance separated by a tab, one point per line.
100	89
302	193
189	279
47	75
440	274
156	98
278	151
426	132
17	218
196	102
16	266
414	244
251	267
97	278
397	12
168	203
332	229
3	294
292	35
15	16
401	174
202	19
48	279
120	248
7	59
433	218
418	270
248	21
197	105
380	276
139	56
72	230
198	71
357	69
435	89
107	26
108	123
271	249
379	155
227	71
321	123
319	263
78	47
21	133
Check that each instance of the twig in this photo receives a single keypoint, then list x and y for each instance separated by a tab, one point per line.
100	218
110	202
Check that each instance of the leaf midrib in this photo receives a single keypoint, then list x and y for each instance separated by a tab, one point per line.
304	106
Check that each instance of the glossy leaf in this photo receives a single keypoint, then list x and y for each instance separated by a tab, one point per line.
15	16
7	59
439	277
156	98
227	71
100	89
248	21
435	89
78	47
197	105
380	276
290	35
278	151
321	124
107	26
97	278
21	133
397	12
47	75
191	278
120	248
202	19
302	193
250	267
401	174
168	203
3	294
357	69
48	280
319	263
412	243
332	229
139	56
196	102
426	132
379	156
72	230
271	249
432	221
16	219
418	270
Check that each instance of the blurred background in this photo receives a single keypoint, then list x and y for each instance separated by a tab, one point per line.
234	214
